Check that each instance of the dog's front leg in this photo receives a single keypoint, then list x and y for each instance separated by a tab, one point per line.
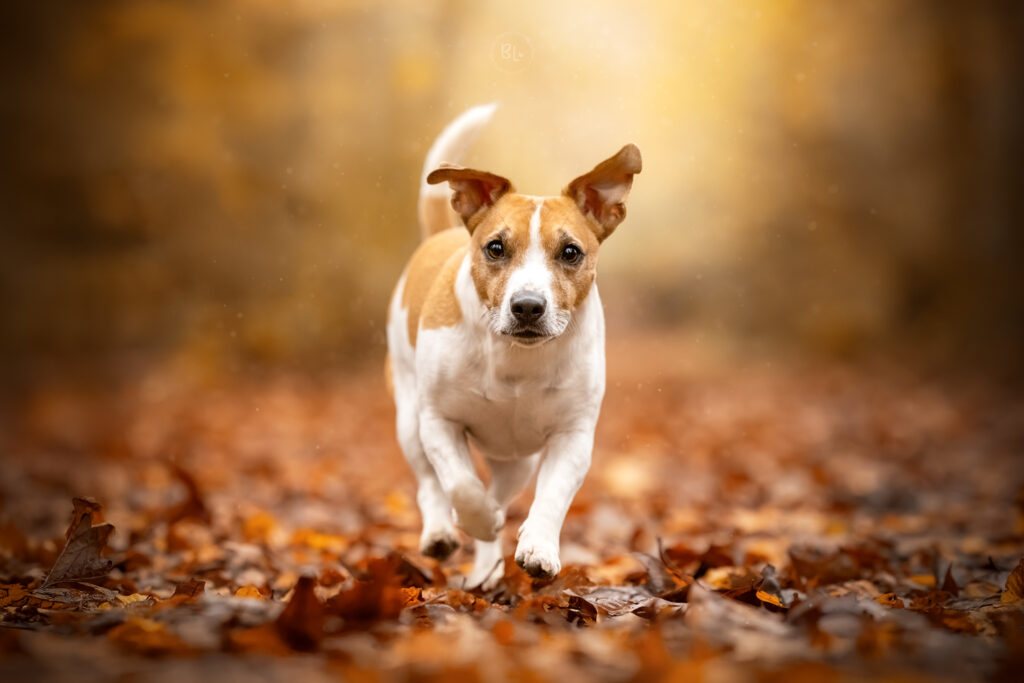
565	464
476	511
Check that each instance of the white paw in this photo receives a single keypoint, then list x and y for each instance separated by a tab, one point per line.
537	556
438	543
476	512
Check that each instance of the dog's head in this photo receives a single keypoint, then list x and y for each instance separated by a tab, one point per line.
533	259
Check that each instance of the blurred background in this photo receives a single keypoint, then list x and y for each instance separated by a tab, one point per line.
234	182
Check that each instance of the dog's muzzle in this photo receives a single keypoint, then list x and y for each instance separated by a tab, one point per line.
528	309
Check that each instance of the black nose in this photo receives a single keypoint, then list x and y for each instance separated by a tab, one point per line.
527	307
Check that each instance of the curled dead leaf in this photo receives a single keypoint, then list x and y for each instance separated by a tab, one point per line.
81	558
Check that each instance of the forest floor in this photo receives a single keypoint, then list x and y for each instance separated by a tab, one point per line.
740	522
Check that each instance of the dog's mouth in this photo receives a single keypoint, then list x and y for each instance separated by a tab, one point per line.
527	335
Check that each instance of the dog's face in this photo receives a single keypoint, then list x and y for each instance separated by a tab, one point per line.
533	259
533	262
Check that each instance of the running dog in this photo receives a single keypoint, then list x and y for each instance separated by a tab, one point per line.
496	336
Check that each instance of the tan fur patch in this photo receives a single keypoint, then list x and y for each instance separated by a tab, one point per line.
430	282
561	223
442	307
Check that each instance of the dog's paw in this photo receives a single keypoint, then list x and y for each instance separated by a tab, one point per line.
537	557
476	512
438	544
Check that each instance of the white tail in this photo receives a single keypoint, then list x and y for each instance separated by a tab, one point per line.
435	211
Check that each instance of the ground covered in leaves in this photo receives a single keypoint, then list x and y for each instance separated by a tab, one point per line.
749	522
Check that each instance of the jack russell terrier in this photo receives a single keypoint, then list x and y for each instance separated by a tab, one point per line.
496	335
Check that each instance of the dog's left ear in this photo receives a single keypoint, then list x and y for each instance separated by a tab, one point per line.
472	191
601	194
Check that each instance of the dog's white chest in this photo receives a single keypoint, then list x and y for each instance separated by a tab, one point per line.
513	418
511	401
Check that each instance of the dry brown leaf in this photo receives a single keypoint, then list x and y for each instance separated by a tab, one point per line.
186	593
301	624
1014	591
949	583
193	507
81	557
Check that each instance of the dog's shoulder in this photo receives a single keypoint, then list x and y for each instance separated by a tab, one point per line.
429	293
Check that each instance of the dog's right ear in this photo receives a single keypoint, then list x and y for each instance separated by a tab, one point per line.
472	191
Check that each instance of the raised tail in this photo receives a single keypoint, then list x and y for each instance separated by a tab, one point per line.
435	211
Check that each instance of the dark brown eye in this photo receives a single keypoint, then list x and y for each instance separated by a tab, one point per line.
571	254
495	250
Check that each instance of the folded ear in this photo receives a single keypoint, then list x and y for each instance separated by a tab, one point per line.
472	191
601	194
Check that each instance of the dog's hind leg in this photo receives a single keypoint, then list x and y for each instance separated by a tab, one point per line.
439	538
508	478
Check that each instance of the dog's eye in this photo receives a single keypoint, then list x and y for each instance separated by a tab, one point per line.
495	250
571	254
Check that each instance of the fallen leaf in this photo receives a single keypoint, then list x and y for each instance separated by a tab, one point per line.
186	593
890	600
81	558
1014	591
301	624
193	507
769	598
949	584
